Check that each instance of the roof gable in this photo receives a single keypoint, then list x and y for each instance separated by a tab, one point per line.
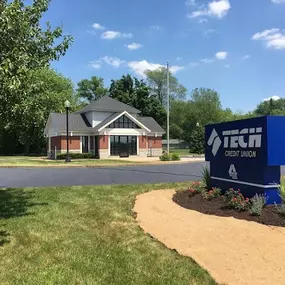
108	104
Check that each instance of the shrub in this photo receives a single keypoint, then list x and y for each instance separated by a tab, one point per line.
257	204
196	188
165	157
62	156
282	190
280	209
235	200
206	177
210	195
175	157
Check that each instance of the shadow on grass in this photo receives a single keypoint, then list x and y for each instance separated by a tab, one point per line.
16	202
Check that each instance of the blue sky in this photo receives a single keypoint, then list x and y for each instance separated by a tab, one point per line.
236	47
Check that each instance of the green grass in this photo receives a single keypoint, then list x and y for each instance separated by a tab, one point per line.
180	151
38	161
85	235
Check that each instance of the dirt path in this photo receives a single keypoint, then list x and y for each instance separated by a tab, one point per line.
233	251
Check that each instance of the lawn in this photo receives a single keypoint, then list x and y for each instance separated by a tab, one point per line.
85	235
17	161
181	151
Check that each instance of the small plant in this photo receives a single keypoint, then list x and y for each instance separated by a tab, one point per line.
257	204
75	156
195	188
165	157
175	157
210	195
206	177
235	200
280	209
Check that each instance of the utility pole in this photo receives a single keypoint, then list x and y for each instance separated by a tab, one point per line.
168	107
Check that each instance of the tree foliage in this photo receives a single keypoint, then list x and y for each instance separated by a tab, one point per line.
271	107
136	93
25	49
157	80
92	89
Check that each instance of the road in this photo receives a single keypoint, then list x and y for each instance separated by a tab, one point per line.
38	177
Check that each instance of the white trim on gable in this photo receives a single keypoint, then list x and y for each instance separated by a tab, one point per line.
130	117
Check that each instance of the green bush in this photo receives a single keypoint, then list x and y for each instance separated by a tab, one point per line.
62	156
196	188
165	157
210	195
175	157
206	177
280	209
170	157
235	200
197	141
257	204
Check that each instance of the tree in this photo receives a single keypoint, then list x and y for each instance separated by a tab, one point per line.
25	48
92	89
157	80
271	107
136	93
197	140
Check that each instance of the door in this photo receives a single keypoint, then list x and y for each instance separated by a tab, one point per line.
124	146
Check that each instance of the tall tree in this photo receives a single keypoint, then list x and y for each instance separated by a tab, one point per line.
157	80
24	48
136	93
271	107
92	89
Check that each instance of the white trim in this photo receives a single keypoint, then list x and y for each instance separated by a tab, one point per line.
49	144
130	117
138	146
246	183
80	144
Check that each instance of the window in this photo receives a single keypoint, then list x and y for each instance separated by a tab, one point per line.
123	144
85	144
123	123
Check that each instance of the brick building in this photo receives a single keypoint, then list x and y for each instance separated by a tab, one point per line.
106	128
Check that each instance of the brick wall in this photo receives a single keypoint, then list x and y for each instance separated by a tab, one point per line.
155	141
55	142
142	142
103	142
74	142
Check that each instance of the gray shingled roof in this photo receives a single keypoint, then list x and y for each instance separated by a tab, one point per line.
108	104
151	124
76	122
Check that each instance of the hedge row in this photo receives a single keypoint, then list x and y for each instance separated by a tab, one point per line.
75	155
170	157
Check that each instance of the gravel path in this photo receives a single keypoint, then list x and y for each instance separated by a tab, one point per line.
233	251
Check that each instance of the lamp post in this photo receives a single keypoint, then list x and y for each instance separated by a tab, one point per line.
67	107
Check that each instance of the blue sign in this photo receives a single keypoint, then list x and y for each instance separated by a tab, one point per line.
247	155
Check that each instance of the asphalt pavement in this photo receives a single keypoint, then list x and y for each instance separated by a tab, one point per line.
39	177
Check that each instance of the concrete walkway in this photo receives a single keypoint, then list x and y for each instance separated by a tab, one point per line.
234	252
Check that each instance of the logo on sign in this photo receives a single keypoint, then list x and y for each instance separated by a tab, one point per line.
232	172
234	139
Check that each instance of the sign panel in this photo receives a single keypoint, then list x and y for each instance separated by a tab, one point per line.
247	155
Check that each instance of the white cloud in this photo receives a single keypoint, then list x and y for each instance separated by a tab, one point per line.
111	35
155	28
247	56
134	46
178	58
203	20
97	26
207	60
95	64
227	66
221	55
211	31
113	61
216	8
274	98
140	67
274	38
278	1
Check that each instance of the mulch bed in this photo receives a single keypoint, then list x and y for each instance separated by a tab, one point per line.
269	215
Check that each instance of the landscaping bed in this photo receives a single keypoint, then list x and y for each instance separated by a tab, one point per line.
269	215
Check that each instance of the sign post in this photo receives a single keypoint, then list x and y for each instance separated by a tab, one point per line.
247	155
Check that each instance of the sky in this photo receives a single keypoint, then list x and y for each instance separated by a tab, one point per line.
236	47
